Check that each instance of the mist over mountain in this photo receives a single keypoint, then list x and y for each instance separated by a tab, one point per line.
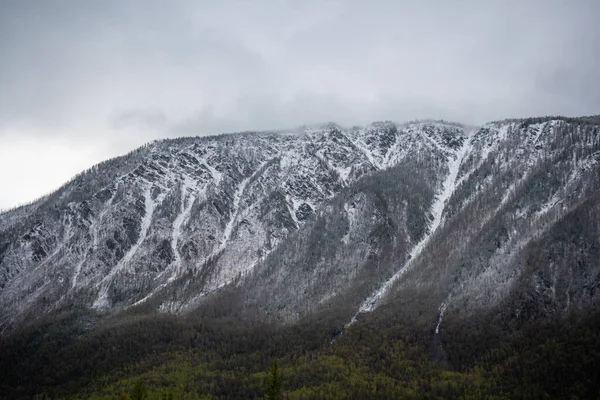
440	224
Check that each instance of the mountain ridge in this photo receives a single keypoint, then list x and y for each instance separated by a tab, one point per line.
208	212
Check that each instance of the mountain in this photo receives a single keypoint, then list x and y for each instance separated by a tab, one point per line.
178	219
438	223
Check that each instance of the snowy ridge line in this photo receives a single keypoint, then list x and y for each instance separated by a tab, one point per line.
150	205
437	209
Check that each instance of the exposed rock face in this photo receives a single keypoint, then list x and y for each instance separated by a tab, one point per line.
298	220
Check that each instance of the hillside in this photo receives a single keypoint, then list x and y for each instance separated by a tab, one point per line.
415	260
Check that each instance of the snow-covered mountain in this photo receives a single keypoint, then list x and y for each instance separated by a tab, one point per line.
294	222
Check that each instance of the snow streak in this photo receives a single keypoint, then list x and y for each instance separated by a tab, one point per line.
181	219
437	210
77	272
439	321
237	198
102	300
95	226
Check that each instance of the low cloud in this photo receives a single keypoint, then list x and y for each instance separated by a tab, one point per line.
113	75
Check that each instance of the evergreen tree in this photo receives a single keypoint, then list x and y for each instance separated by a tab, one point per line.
139	391
274	383
168	396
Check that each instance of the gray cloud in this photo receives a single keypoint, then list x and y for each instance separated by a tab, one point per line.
153	119
112	75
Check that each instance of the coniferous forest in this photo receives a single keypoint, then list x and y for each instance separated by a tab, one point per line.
200	357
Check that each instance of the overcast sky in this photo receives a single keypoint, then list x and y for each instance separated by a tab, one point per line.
85	80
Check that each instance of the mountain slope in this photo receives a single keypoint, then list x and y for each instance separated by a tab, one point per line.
520	238
182	218
415	260
321	217
518	181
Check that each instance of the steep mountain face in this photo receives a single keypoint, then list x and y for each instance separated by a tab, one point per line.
179	219
521	230
514	225
460	219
